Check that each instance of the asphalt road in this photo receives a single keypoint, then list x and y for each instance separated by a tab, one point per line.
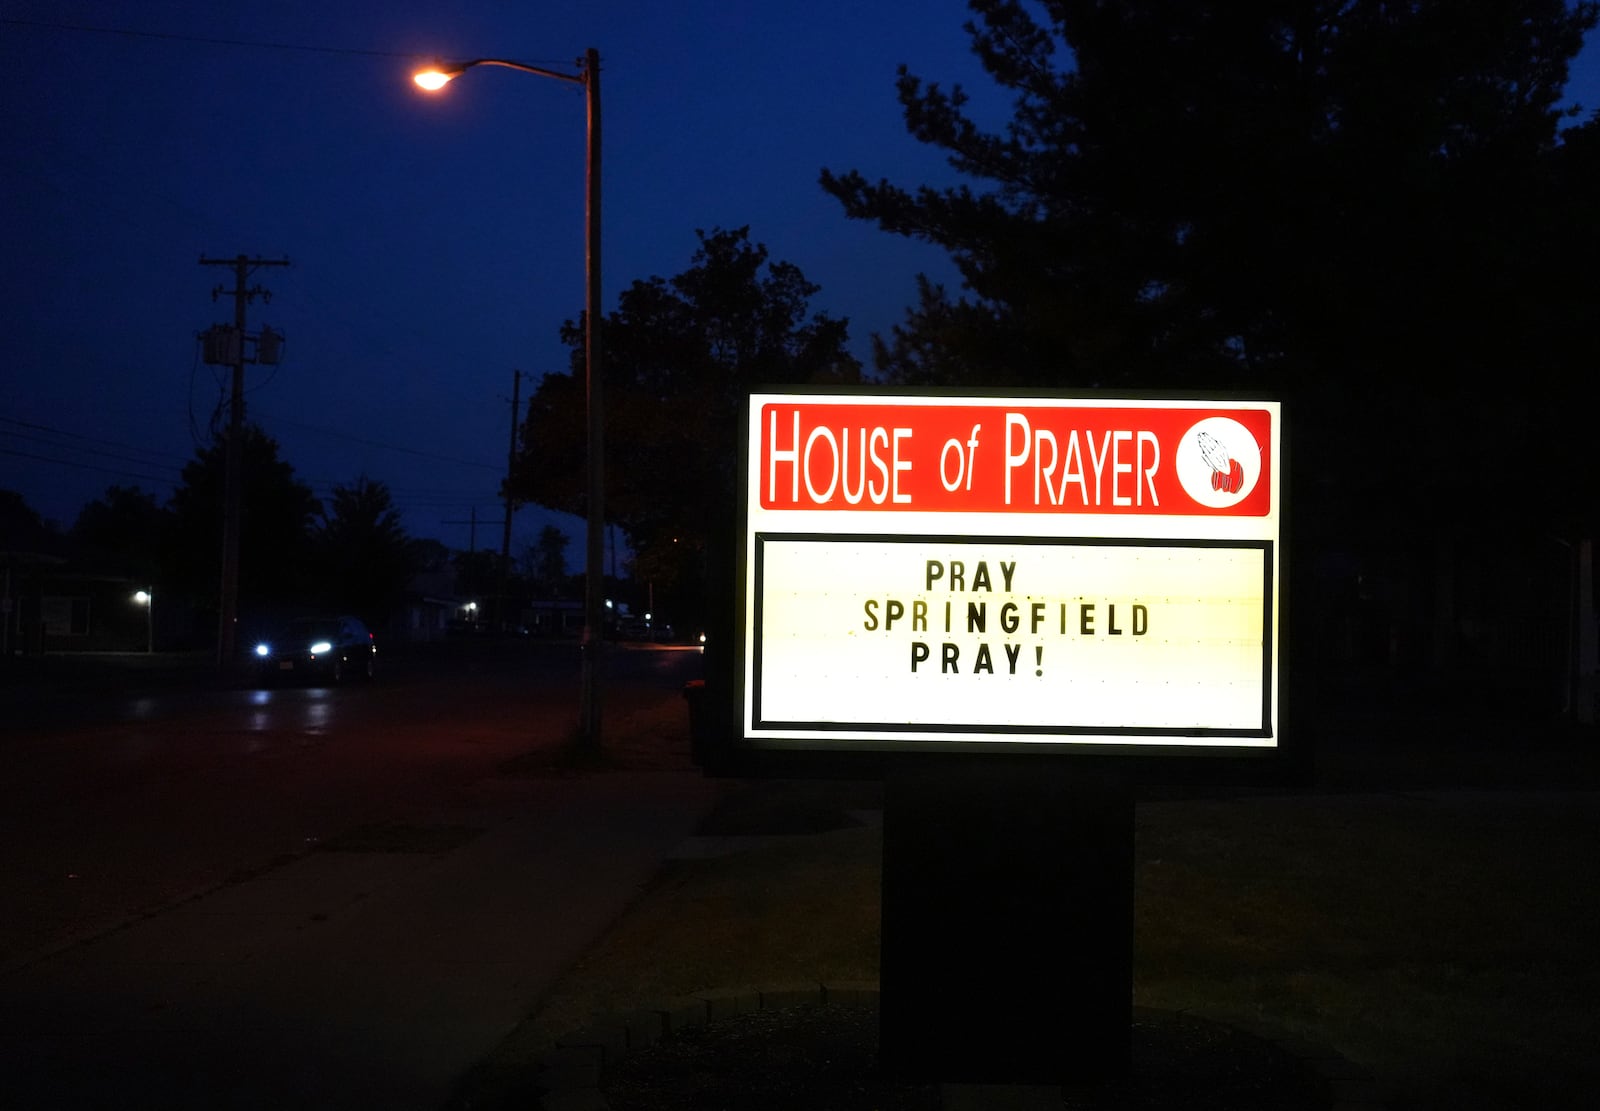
130	785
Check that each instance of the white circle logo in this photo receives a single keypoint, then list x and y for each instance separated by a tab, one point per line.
1219	462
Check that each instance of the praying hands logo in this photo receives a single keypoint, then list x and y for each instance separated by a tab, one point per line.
1218	462
1226	473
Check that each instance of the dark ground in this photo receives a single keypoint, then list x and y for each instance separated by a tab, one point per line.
808	1057
1421	909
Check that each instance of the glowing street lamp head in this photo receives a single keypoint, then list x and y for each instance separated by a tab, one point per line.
434	78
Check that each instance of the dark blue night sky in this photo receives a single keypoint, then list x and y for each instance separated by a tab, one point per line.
436	241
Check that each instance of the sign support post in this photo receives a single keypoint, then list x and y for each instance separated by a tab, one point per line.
1007	922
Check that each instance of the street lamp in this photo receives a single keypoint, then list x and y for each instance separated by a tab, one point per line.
145	599
433	79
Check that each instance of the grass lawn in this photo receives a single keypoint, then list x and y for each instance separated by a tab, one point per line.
1442	939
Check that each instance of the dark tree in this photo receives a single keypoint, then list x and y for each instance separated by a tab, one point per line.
680	355
1239	193
126	525
363	558
21	528
545	563
432	555
275	524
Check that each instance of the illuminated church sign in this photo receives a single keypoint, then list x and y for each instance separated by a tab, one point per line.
941	571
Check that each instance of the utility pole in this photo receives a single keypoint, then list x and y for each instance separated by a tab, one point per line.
594	588
472	520
505	535
233	494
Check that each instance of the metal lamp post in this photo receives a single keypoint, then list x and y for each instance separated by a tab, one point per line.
588	76
147	600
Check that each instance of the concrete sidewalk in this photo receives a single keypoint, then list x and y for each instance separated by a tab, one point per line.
370	973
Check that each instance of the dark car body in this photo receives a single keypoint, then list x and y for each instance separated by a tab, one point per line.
330	648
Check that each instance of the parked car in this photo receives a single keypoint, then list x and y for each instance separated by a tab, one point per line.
632	628
642	629
331	648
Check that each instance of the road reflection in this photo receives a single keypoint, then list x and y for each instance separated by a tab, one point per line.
414	690
308	711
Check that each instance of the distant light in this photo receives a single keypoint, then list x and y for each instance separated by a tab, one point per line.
432	79
608	604
263	650
647	617
142	597
320	647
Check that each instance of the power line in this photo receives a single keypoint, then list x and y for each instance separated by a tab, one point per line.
379	443
32	426
258	44
86	466
418	499
444	498
114	455
206	41
403	497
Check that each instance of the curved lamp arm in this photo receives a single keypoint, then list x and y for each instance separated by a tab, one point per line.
439	74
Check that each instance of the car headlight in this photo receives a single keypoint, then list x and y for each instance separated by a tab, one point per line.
263	649
320	647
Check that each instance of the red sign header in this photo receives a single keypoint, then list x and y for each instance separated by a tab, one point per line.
1014	457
